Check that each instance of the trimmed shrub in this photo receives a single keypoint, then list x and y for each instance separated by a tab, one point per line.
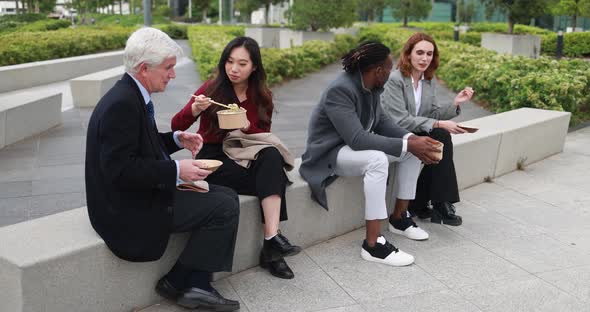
24	47
175	31
208	42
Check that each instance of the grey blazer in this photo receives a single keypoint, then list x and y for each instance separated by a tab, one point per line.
399	104
347	114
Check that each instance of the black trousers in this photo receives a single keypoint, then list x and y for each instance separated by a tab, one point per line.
438	182
212	218
264	177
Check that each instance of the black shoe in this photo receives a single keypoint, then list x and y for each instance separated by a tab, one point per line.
280	245
420	211
278	268
197	298
165	289
445	213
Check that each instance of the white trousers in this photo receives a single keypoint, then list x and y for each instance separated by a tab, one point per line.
373	165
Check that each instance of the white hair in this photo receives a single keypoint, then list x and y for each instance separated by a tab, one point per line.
151	46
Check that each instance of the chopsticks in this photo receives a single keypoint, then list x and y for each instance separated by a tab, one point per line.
216	103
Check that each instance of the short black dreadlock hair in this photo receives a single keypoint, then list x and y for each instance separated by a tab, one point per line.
366	56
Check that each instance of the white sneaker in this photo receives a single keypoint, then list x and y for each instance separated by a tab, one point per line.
385	253
408	228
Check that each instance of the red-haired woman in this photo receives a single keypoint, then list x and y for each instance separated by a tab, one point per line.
241	79
410	100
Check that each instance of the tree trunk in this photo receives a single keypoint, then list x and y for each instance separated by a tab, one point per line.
266	12
574	22
405	21
204	15
37	6
132	7
510	25
16	2
120	7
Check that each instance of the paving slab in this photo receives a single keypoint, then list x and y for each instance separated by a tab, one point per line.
523	294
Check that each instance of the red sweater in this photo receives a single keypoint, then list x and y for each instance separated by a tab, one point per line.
184	119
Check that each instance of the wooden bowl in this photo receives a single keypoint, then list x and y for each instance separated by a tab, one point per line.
210	164
230	120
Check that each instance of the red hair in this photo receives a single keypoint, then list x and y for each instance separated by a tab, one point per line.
405	64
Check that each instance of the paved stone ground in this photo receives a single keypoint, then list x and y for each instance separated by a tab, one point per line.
524	246
44	175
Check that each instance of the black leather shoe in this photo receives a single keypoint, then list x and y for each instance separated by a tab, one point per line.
420	211
278	268
445	213
196	298
165	289
281	245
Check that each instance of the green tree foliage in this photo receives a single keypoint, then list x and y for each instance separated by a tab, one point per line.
372	8
465	11
517	11
573	8
414	9
323	14
37	6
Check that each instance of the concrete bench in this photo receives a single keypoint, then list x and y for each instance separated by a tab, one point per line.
58	263
88	89
22	76
506	141
25	114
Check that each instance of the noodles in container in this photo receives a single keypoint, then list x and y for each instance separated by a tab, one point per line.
233	118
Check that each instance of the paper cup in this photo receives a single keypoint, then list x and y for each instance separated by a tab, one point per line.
230	120
439	155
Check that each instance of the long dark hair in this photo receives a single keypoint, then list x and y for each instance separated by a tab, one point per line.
405	62
220	88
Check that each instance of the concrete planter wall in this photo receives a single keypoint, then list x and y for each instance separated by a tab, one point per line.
525	45
23	76
284	38
266	37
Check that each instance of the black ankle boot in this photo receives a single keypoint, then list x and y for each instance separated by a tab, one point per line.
278	267
422	211
281	245
445	213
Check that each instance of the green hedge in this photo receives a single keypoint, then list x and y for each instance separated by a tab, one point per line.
24	47
208	42
175	31
505	82
575	44
281	64
33	22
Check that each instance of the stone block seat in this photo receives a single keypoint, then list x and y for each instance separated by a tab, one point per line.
28	113
58	263
28	75
87	90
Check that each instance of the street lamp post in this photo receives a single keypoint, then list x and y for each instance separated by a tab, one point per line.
147	12
220	12
559	50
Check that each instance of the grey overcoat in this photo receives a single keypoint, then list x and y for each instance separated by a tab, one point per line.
347	114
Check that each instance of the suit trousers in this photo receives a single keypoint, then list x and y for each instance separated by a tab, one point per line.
212	220
438	182
373	166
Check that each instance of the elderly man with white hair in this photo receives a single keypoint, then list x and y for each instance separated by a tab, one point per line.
131	182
